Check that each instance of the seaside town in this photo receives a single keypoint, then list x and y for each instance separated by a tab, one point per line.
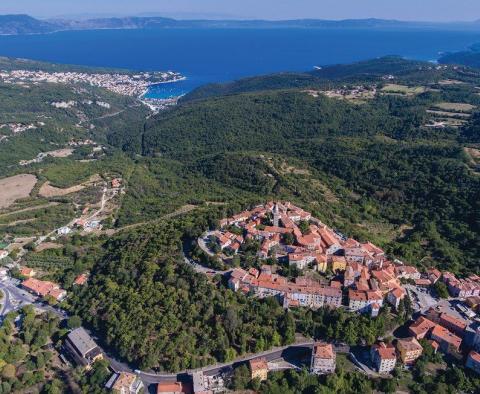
334	271
134	85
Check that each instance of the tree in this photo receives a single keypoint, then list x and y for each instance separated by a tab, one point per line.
350	333
289	239
241	378
8	371
288	328
40	361
99	373
304	227
54	387
74	322
441	289
50	300
388	385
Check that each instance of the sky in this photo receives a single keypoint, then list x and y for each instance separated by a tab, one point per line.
420	10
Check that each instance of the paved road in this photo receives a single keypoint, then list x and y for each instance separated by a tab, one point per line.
270	355
202	243
201	269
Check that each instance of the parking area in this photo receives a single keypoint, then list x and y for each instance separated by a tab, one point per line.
421	297
451	307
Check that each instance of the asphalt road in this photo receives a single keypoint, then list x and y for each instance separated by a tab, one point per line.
290	351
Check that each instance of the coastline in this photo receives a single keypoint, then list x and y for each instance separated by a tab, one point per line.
174	80
158	104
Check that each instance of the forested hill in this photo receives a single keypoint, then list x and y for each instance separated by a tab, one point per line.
160	314
376	70
417	179
470	57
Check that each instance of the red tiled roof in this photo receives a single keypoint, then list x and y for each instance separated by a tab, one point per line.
386	352
258	364
38	286
364	295
433	344
81	279
371	248
336	284
323	350
174	387
421	326
447	336
398	292
409	344
453	321
25	271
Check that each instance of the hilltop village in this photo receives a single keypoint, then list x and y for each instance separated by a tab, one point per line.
363	280
367	273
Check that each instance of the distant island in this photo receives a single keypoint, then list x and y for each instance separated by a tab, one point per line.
25	24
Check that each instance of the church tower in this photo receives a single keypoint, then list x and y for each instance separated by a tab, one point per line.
276	216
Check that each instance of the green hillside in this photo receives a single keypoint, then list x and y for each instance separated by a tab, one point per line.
377	161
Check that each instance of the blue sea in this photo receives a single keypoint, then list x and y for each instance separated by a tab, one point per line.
217	55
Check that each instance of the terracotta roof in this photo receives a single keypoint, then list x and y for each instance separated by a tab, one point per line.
174	387
25	271
57	293
42	288
409	344
81	279
386	352
371	248
328	237
433	344
351	243
451	320
447	336
423	282
362	285
368	295
435	272
421	326
340	259
238	273
323	350
258	364
398	292
336	284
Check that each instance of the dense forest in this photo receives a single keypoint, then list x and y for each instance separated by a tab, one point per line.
158	313
375	159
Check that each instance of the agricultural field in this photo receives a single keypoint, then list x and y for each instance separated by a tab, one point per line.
403	89
455	107
15	188
446	114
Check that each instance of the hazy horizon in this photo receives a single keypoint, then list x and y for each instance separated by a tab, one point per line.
408	10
